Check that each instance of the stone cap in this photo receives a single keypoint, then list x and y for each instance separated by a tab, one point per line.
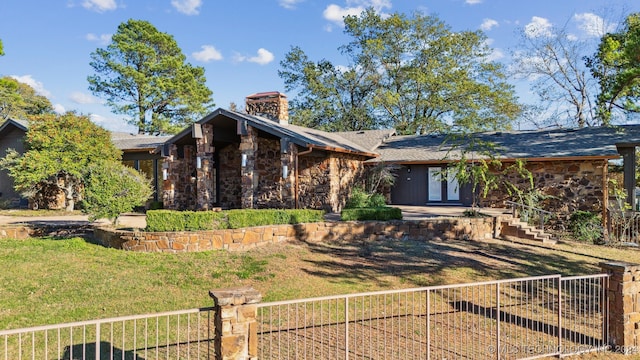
235	296
618	265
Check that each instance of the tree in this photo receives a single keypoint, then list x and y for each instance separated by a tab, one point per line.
329	98
616	66
1	48
59	151
143	74
412	73
19	100
112	188
553	61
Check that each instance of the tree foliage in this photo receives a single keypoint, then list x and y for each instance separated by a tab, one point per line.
143	74
1	48
59	150
112	188
19	100
616	66
553	62
411	73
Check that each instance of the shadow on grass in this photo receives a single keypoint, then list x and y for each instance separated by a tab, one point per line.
439	262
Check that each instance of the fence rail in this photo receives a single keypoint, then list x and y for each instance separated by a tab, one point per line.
507	319
185	334
530	214
623	226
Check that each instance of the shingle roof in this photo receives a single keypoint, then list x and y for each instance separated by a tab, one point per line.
302	136
537	144
368	139
20	124
136	142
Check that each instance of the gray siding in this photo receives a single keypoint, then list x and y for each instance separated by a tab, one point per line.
411	187
12	140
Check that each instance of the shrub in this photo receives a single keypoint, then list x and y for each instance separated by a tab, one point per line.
379	213
361	199
112	188
168	220
586	226
250	217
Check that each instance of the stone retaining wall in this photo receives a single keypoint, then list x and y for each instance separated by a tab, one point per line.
248	238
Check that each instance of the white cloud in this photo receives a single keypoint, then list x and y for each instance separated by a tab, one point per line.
263	57
36	85
289	4
82	98
100	5
593	25
488	24
207	54
102	39
336	13
538	27
473	2
59	109
572	37
187	7
113	124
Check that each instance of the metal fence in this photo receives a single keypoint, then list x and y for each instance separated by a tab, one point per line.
507	319
623	226
186	334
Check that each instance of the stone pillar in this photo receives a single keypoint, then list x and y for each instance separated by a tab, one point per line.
287	156
624	306
204	174
248	151
171	166
235	321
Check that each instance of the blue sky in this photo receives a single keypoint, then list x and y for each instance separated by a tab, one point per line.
241	42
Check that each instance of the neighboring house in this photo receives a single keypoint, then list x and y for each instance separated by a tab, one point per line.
11	135
138	151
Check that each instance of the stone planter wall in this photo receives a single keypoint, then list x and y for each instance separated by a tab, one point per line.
248	238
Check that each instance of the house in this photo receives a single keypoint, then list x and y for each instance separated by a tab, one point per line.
571	166
138	151
257	159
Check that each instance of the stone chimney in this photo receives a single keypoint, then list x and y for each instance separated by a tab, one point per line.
272	105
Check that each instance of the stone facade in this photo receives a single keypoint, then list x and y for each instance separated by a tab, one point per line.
623	293
569	185
248	238
230	180
180	187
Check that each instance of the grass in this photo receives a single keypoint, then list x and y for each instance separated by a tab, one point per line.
49	280
34	213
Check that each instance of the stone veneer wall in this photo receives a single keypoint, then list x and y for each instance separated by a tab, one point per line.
571	185
179	190
248	238
349	173
269	192
229	177
314	184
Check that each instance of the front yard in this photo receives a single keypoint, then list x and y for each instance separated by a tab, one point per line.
49	280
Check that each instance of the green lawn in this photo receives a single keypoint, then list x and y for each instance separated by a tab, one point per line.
49	280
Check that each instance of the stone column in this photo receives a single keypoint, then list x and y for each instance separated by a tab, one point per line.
248	150
235	321
204	173
624	306
287	156
171	166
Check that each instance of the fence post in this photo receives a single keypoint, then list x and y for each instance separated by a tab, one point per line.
623	294
236	323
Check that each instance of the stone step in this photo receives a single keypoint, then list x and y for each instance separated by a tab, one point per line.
515	228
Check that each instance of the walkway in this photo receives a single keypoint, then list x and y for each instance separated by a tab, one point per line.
139	220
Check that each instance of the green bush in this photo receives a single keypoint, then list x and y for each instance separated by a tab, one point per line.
586	226
112	188
379	213
168	220
361	199
251	217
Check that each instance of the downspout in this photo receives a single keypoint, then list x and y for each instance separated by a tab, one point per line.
296	176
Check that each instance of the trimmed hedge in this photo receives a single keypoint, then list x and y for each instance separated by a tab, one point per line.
247	218
379	213
169	220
